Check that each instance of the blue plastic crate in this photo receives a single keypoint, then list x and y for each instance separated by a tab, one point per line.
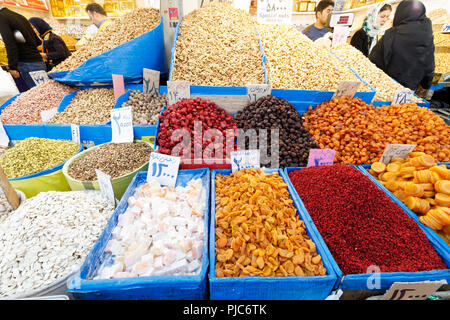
263	288
194	287
359	281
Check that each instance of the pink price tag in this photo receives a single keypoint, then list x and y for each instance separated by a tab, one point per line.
321	157
119	87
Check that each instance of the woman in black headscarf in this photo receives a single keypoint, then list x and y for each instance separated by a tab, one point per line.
406	51
54	49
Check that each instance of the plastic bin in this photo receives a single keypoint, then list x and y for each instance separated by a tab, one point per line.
268	288
155	288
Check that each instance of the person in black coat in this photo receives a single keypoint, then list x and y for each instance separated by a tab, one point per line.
406	51
366	38
54	48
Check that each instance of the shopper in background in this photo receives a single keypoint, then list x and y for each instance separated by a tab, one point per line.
98	15
319	28
54	49
21	46
366	38
406	51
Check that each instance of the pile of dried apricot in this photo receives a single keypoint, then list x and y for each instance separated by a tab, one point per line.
258	230
359	132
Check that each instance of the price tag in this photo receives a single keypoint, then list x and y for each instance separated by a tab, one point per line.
4	139
321	157
402	96
106	187
274	11
177	90
396	151
163	168
446	28
244	159
10	193
39	76
122	125
340	35
150	81
256	91
413	290
75	129
118	85
346	88
47	115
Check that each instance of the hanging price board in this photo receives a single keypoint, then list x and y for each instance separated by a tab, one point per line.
413	290
150	81
75	130
177	90
274	11
256	91
396	151
244	159
39	76
47	115
321	157
4	139
402	96
122	125
347	88
106	187
118	85
163	168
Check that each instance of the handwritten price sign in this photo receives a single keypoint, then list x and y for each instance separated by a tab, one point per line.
347	88
177	90
39	76
413	290
256	91
244	159
150	81
122	125
321	157
75	130
106	187
118	85
164	168
4	139
402	96
396	151
340	35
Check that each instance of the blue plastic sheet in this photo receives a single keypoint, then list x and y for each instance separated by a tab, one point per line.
268	288
386	279
193	287
128	59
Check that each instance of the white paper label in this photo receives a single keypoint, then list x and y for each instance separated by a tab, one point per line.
4	139
39	76
177	90
347	88
402	96
396	151
150	81
122	125
106	187
163	168
244	159
446	28
75	129
413	290
274	11
340	35
47	115
256	91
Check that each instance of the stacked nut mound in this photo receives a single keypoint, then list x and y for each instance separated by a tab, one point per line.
218	45
90	106
295	62
274	113
114	159
27	108
124	29
384	85
146	107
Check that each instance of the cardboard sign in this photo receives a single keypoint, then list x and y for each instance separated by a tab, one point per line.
39	76
413	290
75	130
4	139
321	157
106	187
256	91
10	193
122	125
163	168
118	85
177	90
244	159
340	35
402	96
347	88
274	11
150	83
47	115
396	151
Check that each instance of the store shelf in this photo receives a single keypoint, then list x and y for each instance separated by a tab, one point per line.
367	7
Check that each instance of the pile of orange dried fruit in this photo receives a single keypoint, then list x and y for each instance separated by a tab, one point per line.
359	132
422	185
258	230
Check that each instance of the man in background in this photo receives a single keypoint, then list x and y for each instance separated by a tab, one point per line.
98	15
319	28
